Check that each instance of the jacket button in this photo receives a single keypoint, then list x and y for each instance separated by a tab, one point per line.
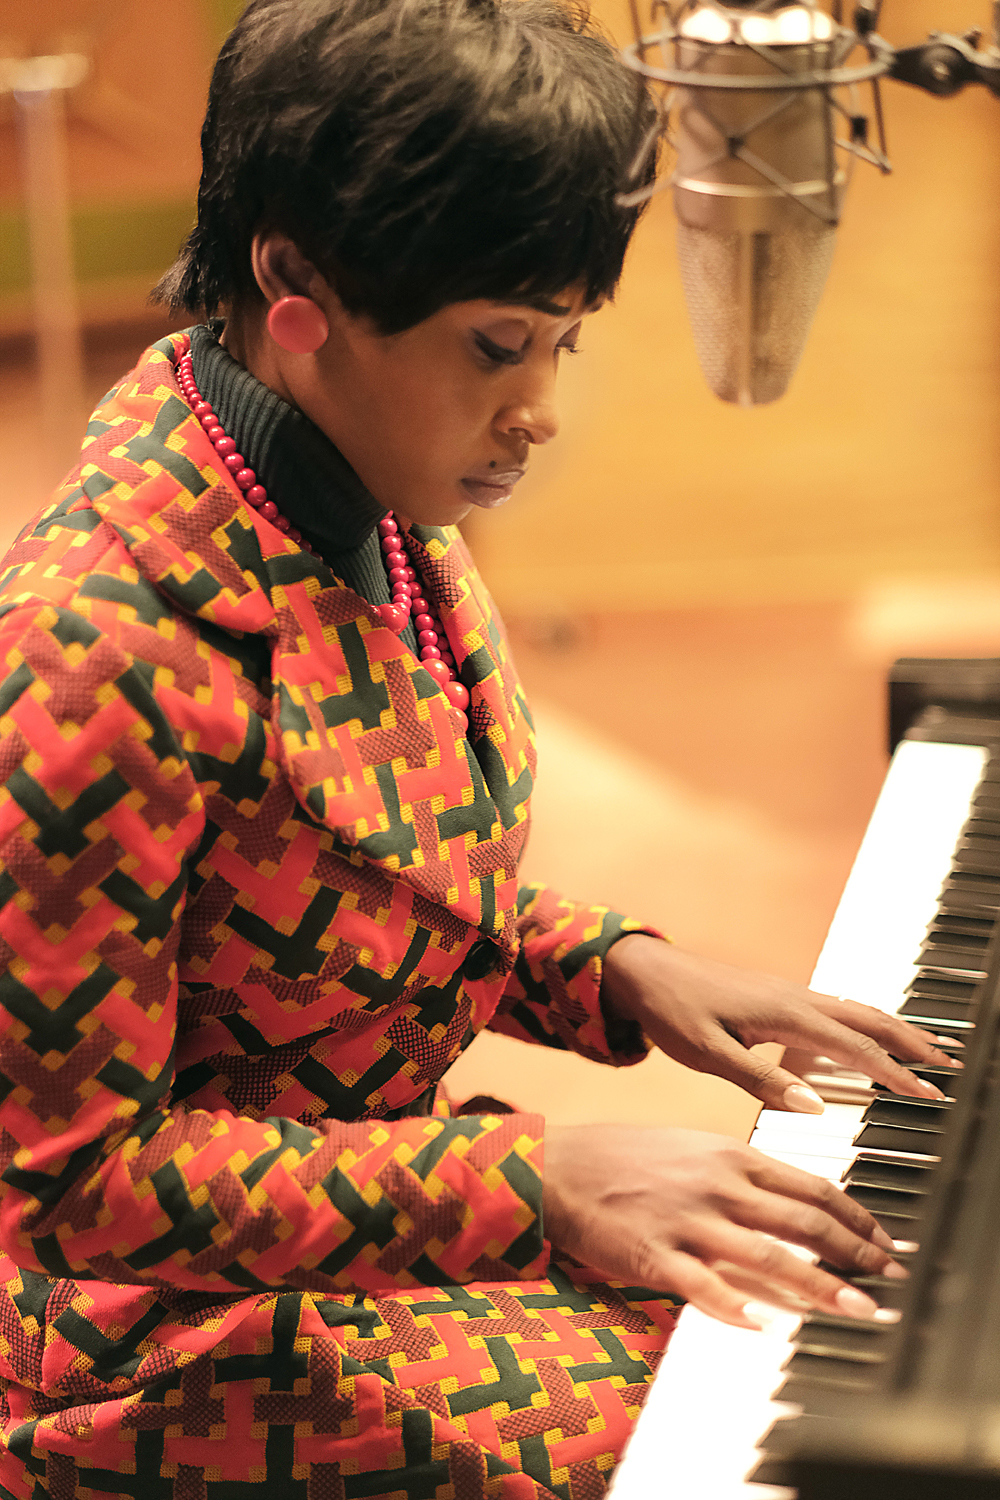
480	959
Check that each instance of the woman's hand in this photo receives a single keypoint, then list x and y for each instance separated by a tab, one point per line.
706	1015
687	1212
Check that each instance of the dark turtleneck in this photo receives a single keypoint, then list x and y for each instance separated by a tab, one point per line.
308	479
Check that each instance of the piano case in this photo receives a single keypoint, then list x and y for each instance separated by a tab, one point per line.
930	1427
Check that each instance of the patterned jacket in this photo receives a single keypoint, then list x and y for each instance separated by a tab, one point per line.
257	897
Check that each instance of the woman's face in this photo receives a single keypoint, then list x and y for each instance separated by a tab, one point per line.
439	418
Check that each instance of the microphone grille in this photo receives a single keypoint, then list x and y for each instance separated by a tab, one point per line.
751	298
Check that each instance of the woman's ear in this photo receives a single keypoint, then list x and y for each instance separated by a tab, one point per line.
281	270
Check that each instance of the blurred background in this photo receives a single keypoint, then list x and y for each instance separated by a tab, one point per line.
704	600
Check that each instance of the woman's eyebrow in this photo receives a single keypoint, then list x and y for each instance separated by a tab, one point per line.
537	304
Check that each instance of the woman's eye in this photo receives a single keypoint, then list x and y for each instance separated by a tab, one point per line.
500	354
570	343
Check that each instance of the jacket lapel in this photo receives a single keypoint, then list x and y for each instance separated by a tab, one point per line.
362	731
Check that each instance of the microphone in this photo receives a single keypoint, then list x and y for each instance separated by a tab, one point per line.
760	176
764	118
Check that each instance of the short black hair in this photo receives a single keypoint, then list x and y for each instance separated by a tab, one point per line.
418	152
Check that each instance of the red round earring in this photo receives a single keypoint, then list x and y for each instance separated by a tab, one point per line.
298	325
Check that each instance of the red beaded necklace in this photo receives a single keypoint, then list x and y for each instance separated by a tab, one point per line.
407	590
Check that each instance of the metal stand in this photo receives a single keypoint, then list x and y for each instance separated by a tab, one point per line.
38	85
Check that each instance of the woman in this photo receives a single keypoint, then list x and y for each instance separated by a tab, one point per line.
267	774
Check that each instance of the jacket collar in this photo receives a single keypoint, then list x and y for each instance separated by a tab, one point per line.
362	731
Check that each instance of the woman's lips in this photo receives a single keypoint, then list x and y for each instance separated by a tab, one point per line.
493	490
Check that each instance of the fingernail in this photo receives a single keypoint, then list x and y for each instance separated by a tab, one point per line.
930	1089
895	1271
799	1097
855	1304
882	1240
950	1041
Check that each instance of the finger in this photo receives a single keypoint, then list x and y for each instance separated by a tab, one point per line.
780	1089
860	1050
812	1227
705	1289
910	1044
773	1085
764	1291
791	1182
776	1265
758	1290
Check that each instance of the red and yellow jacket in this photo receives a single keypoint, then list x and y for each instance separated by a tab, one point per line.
257	896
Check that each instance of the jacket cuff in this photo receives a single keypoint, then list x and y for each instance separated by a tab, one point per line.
553	996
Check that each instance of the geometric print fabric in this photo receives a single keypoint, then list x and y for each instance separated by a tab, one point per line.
518	1391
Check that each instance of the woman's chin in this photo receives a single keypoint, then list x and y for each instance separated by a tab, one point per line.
444	512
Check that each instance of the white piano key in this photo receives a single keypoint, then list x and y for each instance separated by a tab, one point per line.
891	893
830	1167
707	1407
710	1403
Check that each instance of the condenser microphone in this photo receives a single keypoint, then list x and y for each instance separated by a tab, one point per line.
761	170
754	255
763	113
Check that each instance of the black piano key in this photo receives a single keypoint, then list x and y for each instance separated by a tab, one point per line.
896	1211
874	1171
886	1291
784	1435
833	1368
904	1257
969	901
982	821
974	862
948	1080
939	987
985	884
820	1398
976	848
922	1114
976	831
952	953
827	1333
977	841
950	1036
899	1138
961	924
933	1008
929	991
770	1471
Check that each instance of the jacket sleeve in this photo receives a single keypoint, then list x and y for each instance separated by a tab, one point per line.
101	1175
553	995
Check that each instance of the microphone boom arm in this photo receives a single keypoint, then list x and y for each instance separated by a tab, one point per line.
944	64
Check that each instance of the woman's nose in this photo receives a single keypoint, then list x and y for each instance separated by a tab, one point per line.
532	414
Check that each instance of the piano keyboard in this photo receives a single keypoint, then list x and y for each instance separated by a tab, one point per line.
908	937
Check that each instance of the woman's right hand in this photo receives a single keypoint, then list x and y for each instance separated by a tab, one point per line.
688	1212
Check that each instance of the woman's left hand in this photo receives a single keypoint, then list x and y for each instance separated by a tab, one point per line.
707	1015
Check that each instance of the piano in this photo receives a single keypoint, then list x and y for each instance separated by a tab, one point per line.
819	1407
